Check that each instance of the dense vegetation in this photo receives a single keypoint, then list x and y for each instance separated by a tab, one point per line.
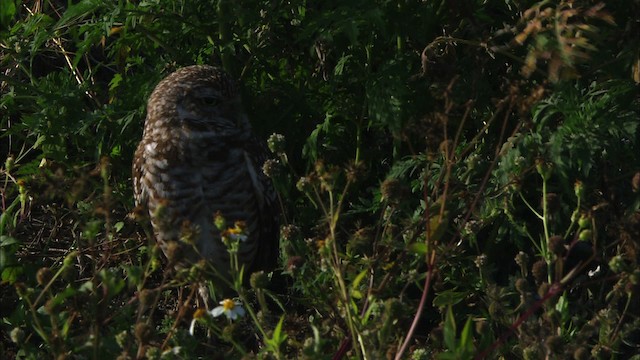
459	179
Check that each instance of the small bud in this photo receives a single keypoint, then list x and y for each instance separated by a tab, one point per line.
8	164
105	167
575	215
515	185
22	186
578	189
219	221
69	259
585	235
617	264
259	280
584	221
544	169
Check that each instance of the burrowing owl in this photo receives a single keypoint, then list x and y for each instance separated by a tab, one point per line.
198	158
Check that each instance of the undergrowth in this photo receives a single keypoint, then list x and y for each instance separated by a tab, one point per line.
458	180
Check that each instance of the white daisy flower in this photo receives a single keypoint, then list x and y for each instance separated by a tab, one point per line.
196	315
231	308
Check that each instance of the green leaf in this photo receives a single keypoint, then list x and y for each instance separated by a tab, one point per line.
11	274
466	340
79	11
419	248
448	298
8	240
7	12
449	330
118	226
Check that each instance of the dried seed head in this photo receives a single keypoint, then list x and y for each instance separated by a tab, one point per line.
146	297
581	353
361	241
304	184
554	344
393	190
294	262
556	245
173	251
43	276
271	168
142	332
17	335
354	170
289	232
539	271
635	182
522	285
522	259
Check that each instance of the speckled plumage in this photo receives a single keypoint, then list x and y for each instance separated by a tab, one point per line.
197	157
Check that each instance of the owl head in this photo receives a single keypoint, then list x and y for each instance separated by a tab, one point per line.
200	99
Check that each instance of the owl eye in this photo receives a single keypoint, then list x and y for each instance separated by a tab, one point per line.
210	101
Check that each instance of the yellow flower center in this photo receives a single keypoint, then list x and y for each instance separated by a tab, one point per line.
199	313
228	304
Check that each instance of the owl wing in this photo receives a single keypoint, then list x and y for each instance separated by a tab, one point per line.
268	242
140	192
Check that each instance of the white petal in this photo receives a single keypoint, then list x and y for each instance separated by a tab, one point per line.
192	327
219	310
